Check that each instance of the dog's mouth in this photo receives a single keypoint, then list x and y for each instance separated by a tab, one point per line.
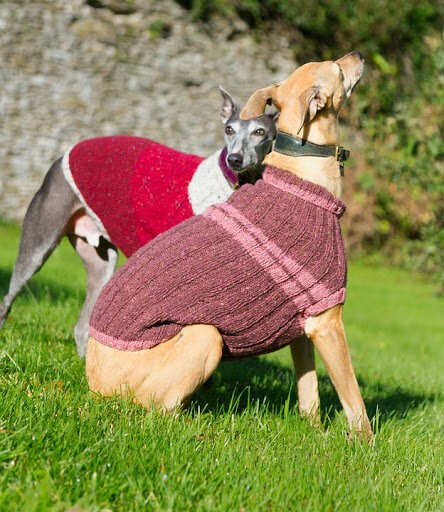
235	161
244	170
240	168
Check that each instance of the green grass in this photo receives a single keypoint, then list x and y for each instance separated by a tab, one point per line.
240	445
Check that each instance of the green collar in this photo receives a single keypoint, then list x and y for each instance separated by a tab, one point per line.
294	146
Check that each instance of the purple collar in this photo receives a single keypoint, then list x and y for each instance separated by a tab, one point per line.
229	174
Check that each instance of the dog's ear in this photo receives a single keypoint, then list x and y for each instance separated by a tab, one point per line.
229	105
257	102
311	101
276	117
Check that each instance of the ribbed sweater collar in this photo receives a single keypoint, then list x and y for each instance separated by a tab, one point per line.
306	190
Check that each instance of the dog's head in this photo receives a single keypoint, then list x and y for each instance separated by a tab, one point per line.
247	140
315	87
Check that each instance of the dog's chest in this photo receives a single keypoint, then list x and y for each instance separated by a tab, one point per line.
208	185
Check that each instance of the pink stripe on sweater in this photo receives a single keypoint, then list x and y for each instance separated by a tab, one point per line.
306	280
280	267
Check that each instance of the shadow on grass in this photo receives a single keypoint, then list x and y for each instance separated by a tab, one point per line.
236	385
40	288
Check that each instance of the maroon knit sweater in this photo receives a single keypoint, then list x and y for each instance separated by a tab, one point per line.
255	267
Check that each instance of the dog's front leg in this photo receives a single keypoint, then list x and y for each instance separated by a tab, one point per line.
328	335
100	263
302	352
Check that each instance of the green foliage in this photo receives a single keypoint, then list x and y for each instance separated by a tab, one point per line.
159	29
410	163
240	445
324	28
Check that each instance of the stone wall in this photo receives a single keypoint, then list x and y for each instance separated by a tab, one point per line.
77	69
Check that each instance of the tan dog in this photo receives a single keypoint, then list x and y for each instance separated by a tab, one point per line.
313	115
168	373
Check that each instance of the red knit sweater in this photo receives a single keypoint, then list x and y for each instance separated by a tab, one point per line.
255	267
135	188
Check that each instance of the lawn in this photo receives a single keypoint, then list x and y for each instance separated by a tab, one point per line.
240	445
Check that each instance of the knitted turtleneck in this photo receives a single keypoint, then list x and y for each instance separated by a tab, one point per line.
135	188
255	267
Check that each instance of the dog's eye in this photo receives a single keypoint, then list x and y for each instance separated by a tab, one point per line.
260	132
229	130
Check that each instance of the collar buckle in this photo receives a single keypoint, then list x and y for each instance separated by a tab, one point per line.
342	154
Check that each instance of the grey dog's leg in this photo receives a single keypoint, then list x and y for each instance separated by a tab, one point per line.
43	226
100	263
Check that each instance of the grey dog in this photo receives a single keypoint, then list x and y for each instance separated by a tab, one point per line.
60	209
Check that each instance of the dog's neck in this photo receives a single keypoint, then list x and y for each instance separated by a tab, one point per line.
323	171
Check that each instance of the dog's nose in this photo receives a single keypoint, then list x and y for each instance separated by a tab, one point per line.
358	54
235	160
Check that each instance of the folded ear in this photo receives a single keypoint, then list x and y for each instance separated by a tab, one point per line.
311	101
257	102
229	105
276	117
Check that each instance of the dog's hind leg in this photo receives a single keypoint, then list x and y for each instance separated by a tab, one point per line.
302	352
43	226
328	335
164	376
99	263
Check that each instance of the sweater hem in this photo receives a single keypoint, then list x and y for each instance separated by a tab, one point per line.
329	302
119	344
